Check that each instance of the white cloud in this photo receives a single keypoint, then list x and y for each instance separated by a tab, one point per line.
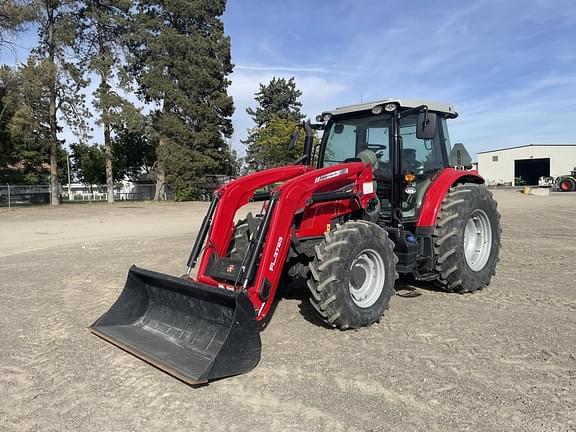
305	69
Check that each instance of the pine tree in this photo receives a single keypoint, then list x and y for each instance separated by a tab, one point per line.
26	136
276	100
180	57
57	22
8	105
99	42
13	16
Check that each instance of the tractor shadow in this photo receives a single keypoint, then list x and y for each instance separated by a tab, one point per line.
296	289
406	288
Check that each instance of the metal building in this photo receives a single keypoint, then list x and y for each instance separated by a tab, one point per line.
526	164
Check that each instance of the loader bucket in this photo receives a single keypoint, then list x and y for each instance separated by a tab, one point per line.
192	331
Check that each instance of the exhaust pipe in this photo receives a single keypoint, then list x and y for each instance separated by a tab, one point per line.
308	142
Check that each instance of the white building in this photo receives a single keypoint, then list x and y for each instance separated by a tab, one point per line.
528	162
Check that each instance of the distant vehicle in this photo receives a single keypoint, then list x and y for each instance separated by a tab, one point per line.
210	184
566	183
27	194
546	181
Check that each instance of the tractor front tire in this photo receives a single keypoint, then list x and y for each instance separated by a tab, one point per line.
467	239
352	275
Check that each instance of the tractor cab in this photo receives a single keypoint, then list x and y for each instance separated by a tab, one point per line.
404	152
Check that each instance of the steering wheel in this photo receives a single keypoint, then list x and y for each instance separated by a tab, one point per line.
413	165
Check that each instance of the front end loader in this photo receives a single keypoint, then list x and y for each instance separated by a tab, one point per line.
384	193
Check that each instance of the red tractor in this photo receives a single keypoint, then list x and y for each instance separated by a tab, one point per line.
383	194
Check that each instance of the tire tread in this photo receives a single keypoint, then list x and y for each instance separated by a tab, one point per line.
324	284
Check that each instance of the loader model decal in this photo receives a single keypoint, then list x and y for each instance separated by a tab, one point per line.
331	175
276	253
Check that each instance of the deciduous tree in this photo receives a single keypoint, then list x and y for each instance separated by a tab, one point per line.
133	153
88	164
272	141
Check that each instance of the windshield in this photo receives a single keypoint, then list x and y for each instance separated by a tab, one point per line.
358	137
367	138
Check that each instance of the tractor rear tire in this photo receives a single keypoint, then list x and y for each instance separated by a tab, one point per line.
568	185
467	239
240	241
352	275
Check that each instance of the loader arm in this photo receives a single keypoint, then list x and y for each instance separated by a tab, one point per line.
296	195
231	197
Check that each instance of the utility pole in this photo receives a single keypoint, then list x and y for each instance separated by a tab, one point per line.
68	165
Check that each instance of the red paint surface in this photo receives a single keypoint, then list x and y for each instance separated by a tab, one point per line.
436	192
300	183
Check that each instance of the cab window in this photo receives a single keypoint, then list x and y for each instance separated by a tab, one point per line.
419	156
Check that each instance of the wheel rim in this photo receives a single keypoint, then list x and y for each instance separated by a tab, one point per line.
367	276
565	185
477	240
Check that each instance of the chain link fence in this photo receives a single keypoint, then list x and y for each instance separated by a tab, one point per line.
17	195
25	195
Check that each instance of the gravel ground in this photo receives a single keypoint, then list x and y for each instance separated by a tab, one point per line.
500	359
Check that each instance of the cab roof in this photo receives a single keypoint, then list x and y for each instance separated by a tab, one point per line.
439	107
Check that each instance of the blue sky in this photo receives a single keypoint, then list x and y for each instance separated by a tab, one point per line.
508	66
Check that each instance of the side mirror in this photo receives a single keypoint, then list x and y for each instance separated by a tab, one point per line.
459	157
293	140
426	125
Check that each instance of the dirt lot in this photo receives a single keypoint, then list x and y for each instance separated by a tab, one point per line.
500	359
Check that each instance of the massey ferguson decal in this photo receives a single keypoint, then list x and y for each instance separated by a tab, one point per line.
331	175
276	253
